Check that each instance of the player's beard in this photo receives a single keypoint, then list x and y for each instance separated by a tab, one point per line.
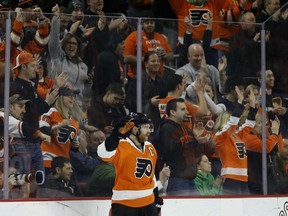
143	137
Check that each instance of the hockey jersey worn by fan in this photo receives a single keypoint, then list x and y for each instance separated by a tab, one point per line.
229	15
135	177
198	17
229	142
31	37
61	140
158	40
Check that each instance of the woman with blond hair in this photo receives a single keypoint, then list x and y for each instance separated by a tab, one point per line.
62	123
229	142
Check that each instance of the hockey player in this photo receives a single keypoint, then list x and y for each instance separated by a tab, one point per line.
134	159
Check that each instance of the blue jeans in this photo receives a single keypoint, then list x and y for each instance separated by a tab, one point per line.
35	152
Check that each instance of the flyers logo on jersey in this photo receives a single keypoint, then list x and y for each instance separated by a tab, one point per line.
143	166
65	133
198	17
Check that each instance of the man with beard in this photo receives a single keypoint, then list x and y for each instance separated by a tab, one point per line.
17	128
134	159
151	41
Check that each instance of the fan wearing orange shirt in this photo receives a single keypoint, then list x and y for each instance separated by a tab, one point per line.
197	11
254	147
63	120
45	84
27	34
229	142
151	41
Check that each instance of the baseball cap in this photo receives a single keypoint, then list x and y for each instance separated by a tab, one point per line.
23	58
17	98
74	4
25	3
65	91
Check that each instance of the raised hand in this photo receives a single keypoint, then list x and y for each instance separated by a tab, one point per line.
275	125
199	133
52	96
20	16
37	13
188	23
38	58
102	20
164	174
56	10
240	94
252	99
155	100
114	23
204	69
210	21
222	64
74	27
61	79
198	85
88	31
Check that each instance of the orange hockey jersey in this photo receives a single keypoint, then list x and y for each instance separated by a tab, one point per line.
44	86
61	140
198	17
147	45
35	46
135	177
231	147
229	18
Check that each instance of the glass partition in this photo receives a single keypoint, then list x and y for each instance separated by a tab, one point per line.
67	80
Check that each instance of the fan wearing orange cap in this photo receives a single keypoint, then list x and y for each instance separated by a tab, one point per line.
26	65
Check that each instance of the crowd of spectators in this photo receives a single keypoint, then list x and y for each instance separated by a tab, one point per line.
74	74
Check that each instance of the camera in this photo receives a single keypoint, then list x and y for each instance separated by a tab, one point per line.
38	176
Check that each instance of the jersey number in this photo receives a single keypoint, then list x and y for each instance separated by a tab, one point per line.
241	150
